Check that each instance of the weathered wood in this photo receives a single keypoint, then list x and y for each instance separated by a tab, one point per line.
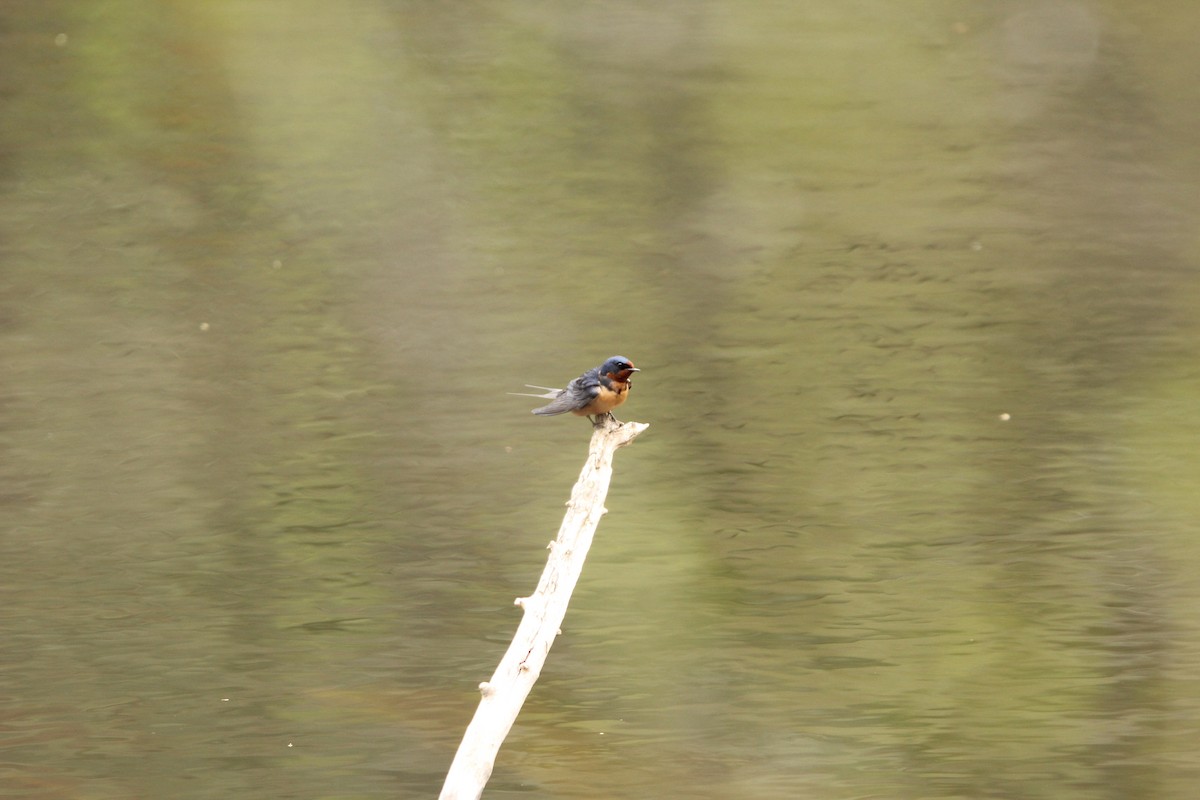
505	693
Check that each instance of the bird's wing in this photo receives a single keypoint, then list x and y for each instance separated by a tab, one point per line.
588	382
578	394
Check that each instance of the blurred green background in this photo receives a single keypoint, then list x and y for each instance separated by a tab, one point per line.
913	287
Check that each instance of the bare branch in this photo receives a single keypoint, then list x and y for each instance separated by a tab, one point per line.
513	679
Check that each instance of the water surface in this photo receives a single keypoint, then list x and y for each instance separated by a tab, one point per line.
913	295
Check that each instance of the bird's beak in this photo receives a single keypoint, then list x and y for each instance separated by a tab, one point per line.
634	369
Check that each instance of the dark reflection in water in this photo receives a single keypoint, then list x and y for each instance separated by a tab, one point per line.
913	300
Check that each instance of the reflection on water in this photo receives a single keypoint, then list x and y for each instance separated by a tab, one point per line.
912	296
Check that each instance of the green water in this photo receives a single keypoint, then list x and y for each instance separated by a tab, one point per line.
912	289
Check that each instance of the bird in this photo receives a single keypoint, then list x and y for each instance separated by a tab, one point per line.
594	393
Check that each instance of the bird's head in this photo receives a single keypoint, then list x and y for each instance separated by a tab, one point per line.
618	368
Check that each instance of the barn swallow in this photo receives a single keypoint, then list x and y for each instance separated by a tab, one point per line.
596	392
